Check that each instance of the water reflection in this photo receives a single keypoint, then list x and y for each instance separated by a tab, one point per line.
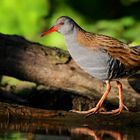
76	134
98	135
57	131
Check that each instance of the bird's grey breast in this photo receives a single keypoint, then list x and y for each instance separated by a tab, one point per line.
96	63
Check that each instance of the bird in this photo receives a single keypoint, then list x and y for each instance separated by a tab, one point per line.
103	57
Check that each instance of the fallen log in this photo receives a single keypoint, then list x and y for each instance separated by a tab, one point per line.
55	69
18	113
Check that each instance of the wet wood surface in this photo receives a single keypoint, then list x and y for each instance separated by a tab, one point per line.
18	113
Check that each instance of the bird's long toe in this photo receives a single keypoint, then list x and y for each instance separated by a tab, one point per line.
88	112
126	108
116	111
112	112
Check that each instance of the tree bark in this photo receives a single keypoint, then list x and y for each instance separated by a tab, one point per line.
55	69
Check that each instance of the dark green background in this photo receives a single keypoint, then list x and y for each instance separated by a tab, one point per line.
117	18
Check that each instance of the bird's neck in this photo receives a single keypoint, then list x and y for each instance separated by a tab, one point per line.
72	36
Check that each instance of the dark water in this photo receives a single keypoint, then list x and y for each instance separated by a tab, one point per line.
57	131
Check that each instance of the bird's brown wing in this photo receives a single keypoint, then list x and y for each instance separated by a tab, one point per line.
129	57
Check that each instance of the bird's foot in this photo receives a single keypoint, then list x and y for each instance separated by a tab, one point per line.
90	112
116	111
101	110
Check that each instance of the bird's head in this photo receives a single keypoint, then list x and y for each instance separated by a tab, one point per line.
63	25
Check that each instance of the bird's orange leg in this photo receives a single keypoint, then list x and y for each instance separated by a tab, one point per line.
99	104
121	104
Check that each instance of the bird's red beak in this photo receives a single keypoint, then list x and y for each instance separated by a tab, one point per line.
52	29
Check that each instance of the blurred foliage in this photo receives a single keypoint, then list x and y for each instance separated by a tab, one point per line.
10	136
21	17
17	136
117	18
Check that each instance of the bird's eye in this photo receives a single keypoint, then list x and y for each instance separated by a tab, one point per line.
61	23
